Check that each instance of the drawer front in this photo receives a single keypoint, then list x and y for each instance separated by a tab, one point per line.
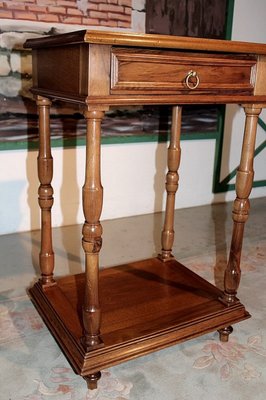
152	71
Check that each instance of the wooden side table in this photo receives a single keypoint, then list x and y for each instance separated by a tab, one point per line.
106	316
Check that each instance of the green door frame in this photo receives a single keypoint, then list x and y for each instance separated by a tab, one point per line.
220	186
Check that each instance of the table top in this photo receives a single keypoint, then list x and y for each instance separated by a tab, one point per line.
147	40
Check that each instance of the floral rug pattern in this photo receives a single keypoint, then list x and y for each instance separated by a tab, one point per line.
192	370
62	385
231	357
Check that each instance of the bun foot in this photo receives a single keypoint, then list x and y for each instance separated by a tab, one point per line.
92	380
224	333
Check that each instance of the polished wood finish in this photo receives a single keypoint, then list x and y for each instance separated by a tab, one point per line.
107	316
139	71
152	69
172	178
260	83
148	40
224	333
146	306
45	174
244	180
92	230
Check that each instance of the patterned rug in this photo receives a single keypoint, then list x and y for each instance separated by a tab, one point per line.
33	367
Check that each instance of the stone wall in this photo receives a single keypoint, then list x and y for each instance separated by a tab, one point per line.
16	70
15	62
21	19
113	13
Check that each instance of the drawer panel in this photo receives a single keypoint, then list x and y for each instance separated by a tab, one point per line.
152	71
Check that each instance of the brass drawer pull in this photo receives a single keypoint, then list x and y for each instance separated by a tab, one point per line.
192	80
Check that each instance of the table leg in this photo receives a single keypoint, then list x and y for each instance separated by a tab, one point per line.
92	232
244	180
92	237
172	178
45	192
224	333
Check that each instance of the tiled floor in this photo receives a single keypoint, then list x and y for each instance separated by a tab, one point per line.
126	239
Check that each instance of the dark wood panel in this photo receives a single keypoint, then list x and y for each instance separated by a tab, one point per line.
200	18
55	64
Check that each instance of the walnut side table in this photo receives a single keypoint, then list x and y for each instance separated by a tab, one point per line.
106	316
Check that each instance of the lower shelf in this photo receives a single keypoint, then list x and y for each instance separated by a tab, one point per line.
146	306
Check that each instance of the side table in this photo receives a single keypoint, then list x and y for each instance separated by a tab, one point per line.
106	316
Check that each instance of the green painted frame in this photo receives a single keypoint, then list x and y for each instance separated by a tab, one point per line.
224	185
221	186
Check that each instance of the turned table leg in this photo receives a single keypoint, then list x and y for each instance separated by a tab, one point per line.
172	177
45	192
244	180
92	237
92	380
224	333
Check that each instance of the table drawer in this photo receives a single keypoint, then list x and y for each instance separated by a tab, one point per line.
153	71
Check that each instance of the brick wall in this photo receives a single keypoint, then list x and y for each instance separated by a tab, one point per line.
112	13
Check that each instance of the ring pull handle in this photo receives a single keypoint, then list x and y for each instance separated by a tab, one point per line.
192	80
